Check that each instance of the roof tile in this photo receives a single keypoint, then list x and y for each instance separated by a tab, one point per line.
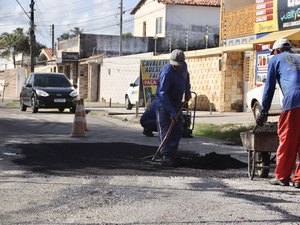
214	3
193	2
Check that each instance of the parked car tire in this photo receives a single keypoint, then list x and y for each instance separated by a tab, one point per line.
128	104
73	109
22	106
34	107
256	110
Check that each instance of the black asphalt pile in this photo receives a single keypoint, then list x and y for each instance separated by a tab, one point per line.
211	161
73	159
270	127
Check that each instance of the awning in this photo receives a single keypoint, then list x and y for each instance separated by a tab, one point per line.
292	35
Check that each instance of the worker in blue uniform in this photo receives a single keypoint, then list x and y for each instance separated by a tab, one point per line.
173	89
284	68
148	119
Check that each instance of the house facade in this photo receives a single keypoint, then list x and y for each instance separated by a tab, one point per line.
187	25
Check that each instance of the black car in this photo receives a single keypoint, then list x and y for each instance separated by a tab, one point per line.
48	90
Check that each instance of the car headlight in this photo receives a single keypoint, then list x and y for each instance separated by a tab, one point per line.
74	94
42	93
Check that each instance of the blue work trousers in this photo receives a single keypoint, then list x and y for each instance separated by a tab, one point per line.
163	120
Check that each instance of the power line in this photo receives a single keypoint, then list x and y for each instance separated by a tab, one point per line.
23	9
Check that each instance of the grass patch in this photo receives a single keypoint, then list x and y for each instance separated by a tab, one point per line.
226	132
13	104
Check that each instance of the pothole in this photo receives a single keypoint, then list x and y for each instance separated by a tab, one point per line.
117	159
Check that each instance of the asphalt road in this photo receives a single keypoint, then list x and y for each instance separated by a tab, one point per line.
48	177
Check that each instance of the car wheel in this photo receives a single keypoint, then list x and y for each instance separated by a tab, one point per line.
34	107
73	109
22	106
128	105
61	110
256	110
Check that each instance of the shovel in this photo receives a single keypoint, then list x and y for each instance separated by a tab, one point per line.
168	132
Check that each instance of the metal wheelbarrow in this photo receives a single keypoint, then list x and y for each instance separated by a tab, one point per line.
260	144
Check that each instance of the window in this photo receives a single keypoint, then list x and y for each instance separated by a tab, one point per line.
158	25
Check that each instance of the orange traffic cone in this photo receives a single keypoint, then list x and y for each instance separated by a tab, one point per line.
83	114
78	124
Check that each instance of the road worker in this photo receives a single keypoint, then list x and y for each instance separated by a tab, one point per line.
173	86
284	68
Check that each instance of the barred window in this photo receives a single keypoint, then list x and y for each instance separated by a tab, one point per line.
159	25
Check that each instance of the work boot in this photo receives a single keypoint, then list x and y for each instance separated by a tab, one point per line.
296	185
275	181
148	133
167	161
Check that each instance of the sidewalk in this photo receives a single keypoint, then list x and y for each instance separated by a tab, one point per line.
119	111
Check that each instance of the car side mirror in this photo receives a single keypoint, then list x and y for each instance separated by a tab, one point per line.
132	85
75	86
28	85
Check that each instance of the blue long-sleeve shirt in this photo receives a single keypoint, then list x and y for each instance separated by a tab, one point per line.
285	69
172	84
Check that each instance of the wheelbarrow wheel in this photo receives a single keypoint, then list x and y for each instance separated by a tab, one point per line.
263	164
251	164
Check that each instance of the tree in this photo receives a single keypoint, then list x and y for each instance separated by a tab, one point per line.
73	33
64	36
128	34
16	42
76	31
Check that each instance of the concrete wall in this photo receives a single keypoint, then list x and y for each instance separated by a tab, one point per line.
116	75
189	23
221	80
206	81
6	64
93	82
14	79
91	44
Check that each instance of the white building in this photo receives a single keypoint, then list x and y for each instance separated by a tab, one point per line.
6	63
186	24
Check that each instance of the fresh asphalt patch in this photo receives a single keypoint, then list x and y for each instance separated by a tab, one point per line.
93	159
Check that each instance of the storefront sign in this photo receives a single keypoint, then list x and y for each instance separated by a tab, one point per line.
70	56
150	70
262	60
266	16
288	13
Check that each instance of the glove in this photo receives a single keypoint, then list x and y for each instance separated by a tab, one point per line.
262	119
188	97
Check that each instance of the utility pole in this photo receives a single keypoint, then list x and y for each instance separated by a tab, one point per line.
186	40
206	36
121	27
32	37
52	36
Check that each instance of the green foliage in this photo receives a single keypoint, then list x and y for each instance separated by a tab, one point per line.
226	132
128	34
17	42
73	33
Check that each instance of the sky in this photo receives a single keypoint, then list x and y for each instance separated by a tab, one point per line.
92	16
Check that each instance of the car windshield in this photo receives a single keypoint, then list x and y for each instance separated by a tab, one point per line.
51	80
